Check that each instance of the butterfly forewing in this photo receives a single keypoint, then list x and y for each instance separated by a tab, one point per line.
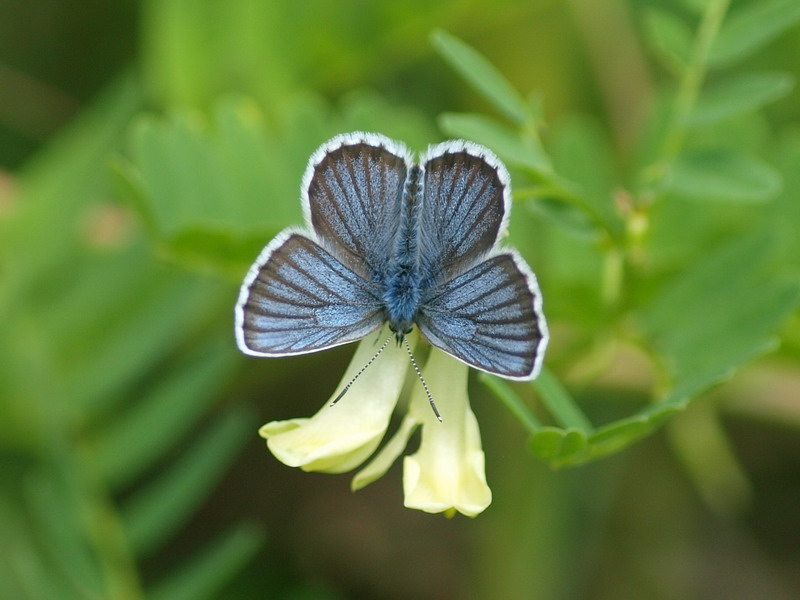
464	208
298	298
489	317
353	190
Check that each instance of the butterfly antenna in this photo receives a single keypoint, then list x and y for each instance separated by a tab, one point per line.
364	368
422	380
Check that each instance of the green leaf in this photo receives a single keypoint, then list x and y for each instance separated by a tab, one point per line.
555	445
709	321
724	175
56	517
155	512
785	211
482	76
55	189
560	404
571	447
216	250
208	570
618	435
747	30
696	6
510	146
167	410
193	52
25	572
669	38
700	441
571	216
582	154
737	95
119	343
229	175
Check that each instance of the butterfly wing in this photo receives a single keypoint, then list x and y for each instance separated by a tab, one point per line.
298	298
490	317
352	194
466	201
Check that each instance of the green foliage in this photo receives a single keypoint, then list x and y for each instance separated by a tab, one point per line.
698	325
124	401
87	327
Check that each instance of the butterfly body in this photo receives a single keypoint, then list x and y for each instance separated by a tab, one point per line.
402	282
411	244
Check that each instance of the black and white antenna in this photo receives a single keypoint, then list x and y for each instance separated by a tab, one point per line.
422	380
364	368
417	370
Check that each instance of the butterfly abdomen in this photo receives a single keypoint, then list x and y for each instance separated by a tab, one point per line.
402	287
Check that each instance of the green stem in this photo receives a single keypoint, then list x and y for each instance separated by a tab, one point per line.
686	98
515	405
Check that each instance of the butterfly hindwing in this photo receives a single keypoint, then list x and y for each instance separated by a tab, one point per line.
490	317
298	298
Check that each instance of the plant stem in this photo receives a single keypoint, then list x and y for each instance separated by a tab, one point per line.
688	90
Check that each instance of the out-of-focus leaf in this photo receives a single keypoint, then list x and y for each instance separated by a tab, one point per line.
696	6
567	215
194	51
582	154
737	95
170	408
559	403
700	441
228	175
365	110
155	512
482	76
785	210
720	313
219	251
26	571
502	390
682	305
214	193
724	175
58	528
209	569
55	188
510	146
669	38
116	346
23	571
750	28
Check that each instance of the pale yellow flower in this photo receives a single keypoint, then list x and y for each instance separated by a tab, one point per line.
446	474
339	438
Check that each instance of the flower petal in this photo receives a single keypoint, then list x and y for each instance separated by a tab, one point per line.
378	466
340	437
447	472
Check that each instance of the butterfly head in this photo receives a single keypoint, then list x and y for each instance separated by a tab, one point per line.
401	330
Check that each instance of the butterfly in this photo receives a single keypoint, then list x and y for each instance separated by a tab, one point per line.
391	240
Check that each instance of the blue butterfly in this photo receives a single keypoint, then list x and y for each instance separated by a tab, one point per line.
411	244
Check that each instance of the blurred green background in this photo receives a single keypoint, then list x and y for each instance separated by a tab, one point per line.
149	149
